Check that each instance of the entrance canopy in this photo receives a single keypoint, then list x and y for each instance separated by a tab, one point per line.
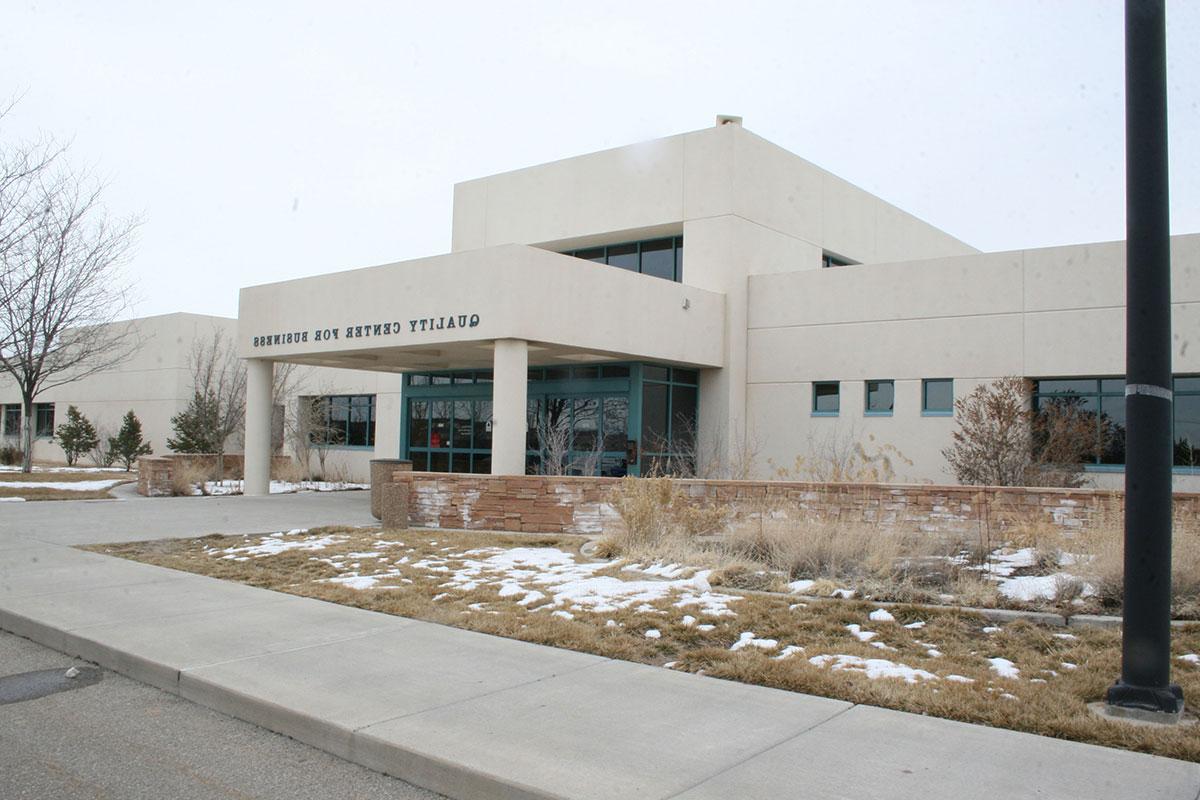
446	312
500	310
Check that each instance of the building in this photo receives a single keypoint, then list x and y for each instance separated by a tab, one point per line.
707	297
156	384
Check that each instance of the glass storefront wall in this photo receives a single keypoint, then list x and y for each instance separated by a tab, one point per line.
605	419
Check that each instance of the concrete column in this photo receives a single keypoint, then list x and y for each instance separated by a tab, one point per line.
510	388
260	376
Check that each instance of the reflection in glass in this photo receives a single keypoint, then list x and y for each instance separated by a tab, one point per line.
1187	430
654	416
483	424
462	424
826	398
658	258
880	396
418	423
683	418
624	256
587	424
439	427
616	423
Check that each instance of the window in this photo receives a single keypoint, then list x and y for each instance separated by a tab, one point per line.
12	420
937	397
343	420
670	399
1097	403
659	258
830	260
881	397
826	400
1186	433
43	413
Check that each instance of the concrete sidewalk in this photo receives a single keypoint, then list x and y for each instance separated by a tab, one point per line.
475	716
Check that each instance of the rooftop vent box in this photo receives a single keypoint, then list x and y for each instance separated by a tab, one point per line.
725	119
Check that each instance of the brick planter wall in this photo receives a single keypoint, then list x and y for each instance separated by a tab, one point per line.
155	472
546	504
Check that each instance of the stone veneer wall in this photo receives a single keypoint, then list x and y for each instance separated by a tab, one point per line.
154	472
545	504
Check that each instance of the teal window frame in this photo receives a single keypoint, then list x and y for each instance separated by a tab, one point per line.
926	411
828	260
601	254
328	401
11	420
595	380
43	420
867	411
837	385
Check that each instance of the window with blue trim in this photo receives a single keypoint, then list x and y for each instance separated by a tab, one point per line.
1186	431
881	397
937	397
343	420
826	398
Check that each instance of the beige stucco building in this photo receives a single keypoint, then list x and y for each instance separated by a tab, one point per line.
706	301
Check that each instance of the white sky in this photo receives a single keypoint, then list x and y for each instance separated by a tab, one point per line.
266	141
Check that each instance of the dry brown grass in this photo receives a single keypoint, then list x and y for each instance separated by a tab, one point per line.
186	478
1055	707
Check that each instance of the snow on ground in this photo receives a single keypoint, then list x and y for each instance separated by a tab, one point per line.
747	639
1190	658
12	499
227	487
860	634
540	571
881	615
17	468
789	651
872	667
68	486
275	544
1037	587
1004	668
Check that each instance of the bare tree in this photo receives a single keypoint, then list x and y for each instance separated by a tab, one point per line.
310	431
219	380
60	281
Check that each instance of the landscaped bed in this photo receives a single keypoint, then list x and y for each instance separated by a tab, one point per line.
944	662
60	483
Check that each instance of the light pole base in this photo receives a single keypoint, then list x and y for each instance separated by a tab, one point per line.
1158	705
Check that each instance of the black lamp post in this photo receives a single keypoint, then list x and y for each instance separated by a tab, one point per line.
1144	687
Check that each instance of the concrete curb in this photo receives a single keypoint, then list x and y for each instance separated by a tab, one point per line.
357	746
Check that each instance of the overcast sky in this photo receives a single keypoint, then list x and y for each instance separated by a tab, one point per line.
266	141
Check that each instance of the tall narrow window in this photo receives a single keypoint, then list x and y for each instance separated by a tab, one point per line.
1187	421
44	415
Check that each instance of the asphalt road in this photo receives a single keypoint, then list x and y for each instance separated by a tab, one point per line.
117	738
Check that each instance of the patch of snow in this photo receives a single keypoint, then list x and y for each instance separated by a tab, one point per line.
859	633
845	594
933	652
1068	636
1004	668
794	606
687	621
273	544
747	639
563	614
800	587
881	615
665	570
67	486
873	668
991	629
706	627
789	651
355	581
915	626
1067	665
653	633
959	679
883	646
1026	588
12	499
1190	658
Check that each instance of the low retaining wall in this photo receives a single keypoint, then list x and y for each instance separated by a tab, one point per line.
544	504
155	473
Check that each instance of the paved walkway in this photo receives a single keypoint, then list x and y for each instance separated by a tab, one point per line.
475	716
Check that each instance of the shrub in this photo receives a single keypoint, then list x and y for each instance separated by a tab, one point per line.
76	436
186	478
128	444
11	454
